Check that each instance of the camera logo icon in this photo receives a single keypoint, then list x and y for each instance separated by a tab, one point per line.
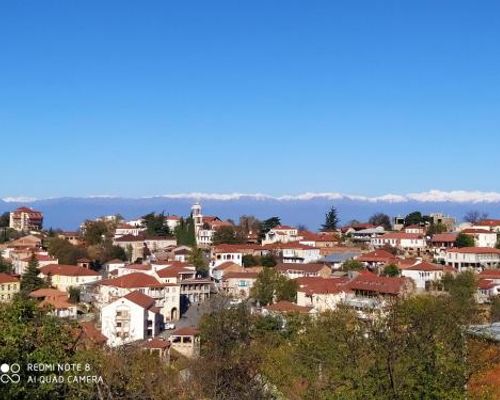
10	373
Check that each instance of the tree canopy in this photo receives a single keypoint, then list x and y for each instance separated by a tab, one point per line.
331	220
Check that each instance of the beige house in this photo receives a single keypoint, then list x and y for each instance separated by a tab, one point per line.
186	341
239	284
65	276
9	286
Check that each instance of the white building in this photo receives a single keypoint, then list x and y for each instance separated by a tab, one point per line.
482	237
130	318
295	252
281	234
65	276
320	293
423	274
26	219
472	257
402	240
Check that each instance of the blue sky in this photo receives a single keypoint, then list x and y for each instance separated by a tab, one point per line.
138	98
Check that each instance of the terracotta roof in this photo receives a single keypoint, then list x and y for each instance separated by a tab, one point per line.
444	237
489	222
90	331
226	265
187	331
309	268
115	261
47	292
58	303
424	266
235	248
39	257
376	256
282	228
141	238
156	343
379	284
172	272
486	284
289	245
474	230
6	278
318	237
474	250
140	299
287	307
490	273
401	235
133	280
139	267
67	270
318	285
240	275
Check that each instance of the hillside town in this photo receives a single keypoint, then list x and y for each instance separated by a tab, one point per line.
148	282
166	265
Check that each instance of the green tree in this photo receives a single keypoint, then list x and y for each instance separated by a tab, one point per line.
352	265
268	260
197	258
5	266
391	270
271	286
95	232
267	225
249	260
227	235
436	229
495	309
5	220
74	294
64	251
30	280
185	232
381	219
331	220
155	224
414	218
464	240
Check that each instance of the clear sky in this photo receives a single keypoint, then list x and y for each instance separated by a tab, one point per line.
138	98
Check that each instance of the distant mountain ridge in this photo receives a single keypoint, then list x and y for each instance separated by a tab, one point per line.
307	209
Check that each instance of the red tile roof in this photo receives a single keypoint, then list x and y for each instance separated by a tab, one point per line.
240	275
133	280
67	270
318	285
172	272
379	284
187	331
401	235
289	245
307	268
6	278
474	250
90	331
490	273
489	222
140	299
376	256
156	343
424	266
486	284
47	292
444	237
288	307
473	231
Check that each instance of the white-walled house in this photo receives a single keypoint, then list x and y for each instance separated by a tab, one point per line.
478	258
130	318
320	293
295	252
488	224
423	274
281	234
413	242
166	295
482	237
65	276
